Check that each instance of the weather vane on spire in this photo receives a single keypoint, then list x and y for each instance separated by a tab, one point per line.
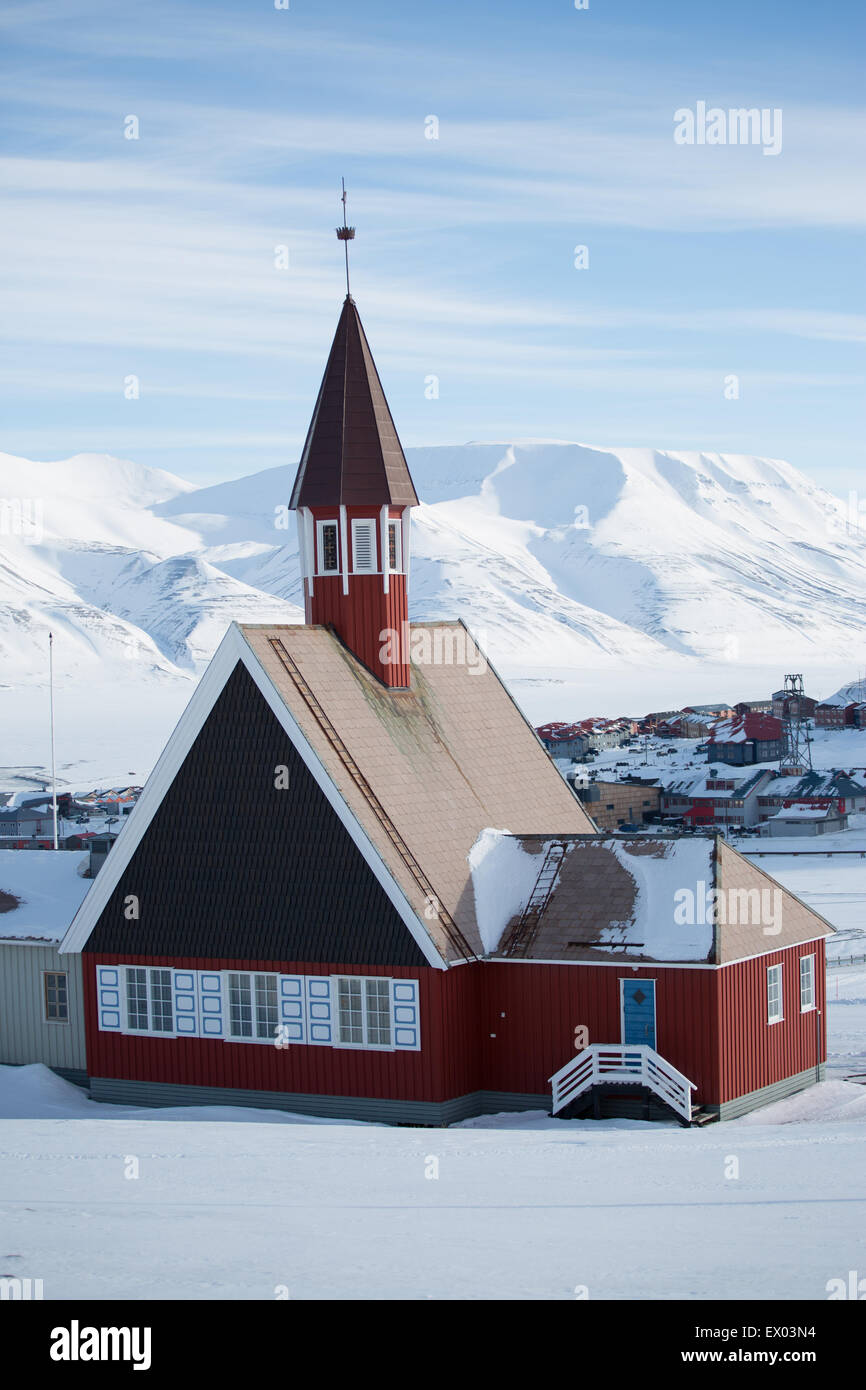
345	234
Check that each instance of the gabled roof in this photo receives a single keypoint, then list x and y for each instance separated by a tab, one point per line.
762	727
639	900
816	784
415	775
744	783
352	454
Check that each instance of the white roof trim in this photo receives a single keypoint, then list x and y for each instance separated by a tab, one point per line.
231	650
655	964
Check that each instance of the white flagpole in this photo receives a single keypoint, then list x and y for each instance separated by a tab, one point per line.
51	703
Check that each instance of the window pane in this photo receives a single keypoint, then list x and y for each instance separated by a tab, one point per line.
378	1013
328	543
161	1013
56	1006
350	1011
240	1006
393	562
774	993
266	1006
136	997
807	982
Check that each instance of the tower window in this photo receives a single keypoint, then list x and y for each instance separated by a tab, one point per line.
395	558
329	552
364	546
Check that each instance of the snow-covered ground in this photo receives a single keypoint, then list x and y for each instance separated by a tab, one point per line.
238	1204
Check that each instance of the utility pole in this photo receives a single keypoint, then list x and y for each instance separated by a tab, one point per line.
51	707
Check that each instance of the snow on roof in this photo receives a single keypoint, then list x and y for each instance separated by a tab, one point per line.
611	899
725	785
803	811
503	877
746	726
49	889
819	785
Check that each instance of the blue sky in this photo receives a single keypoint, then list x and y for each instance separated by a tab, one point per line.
155	257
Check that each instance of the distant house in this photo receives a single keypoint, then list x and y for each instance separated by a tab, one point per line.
838	790
563	740
27	827
805	818
746	739
592	735
724	798
754	707
833	714
612	804
785	705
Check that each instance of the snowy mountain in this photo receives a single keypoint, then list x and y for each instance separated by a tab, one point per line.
853	692
595	578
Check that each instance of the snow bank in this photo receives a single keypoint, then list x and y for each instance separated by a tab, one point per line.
503	876
827	1101
36	1093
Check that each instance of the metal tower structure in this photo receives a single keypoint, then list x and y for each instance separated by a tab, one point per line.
797	752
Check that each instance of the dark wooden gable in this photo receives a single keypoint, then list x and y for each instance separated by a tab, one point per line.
230	867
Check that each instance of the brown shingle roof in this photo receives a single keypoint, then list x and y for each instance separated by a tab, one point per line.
352	454
446	759
615	899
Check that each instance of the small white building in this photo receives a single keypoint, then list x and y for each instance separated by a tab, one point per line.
803	819
41	1003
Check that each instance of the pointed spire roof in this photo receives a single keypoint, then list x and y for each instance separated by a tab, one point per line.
352	454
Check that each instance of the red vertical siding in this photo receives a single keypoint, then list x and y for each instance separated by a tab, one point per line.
756	1053
308	1069
543	1004
361	616
498	1027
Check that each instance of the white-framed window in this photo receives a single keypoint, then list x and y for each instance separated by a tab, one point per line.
363	545
249	1006
807	983
328	547
364	1011
55	996
395	546
774	994
149	1005
254	1011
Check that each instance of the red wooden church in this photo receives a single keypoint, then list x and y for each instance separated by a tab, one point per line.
389	905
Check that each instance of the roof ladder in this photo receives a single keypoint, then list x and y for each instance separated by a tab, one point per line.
524	934
449	926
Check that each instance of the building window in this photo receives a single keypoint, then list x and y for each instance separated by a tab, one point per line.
364	546
807	983
774	994
149	1007
56	996
395	558
253	1008
329	553
364	1009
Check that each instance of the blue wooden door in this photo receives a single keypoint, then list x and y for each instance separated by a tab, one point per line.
639	1012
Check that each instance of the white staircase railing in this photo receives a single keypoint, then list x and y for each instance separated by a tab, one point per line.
621	1063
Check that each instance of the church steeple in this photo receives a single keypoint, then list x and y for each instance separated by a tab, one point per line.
352	493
